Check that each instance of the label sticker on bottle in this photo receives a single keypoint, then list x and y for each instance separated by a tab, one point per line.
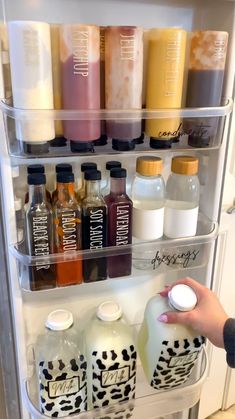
148	224
180	222
118	376
63	387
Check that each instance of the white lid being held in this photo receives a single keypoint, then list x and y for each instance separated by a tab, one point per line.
109	311
59	320
182	297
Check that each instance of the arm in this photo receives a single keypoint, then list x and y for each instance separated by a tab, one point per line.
229	341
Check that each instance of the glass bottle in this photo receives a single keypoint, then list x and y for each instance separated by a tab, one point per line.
39	238
168	352
119	223
109	165
94	227
36	168
182	198
61	367
82	191
61	167
67	221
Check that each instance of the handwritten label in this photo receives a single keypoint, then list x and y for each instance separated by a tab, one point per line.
118	376
201	131
179	361
63	388
182	259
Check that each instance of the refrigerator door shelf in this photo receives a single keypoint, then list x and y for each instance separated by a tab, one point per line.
153	257
195	128
149	402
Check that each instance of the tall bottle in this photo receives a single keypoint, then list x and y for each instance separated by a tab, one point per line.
182	198
61	367
5	83
36	168
119	223
166	53
67	220
123	82
32	86
103	138
80	57
60	168
111	164
94	227
111	357
39	228
84	167
168	352
205	82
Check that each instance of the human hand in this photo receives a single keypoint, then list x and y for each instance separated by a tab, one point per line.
207	318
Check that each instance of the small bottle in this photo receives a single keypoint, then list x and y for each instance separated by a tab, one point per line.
94	227
119	223
109	165
84	167
61	167
67	220
148	196
39	227
111	357
61	367
182	198
36	168
168	352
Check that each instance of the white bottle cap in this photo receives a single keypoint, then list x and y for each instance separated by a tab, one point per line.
109	311
182	297
59	320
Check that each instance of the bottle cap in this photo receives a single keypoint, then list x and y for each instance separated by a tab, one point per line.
160	144
88	166
101	141
149	165
118	172
109	311
184	165
123	145
31	148
81	146
35	168
37	179
198	141
65	177
63	167
112	164
92	175
58	142
59	320
182	297
140	139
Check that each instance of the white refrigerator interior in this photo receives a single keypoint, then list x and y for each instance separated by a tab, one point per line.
193	257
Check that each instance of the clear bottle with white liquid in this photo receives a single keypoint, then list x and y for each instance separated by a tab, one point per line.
182	198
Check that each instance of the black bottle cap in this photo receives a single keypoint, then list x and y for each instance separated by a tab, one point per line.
65	177
32	148
35	168
158	144
81	146
101	141
118	172
63	167
198	141
92	175
123	145
140	139
58	142
112	164
37	179
88	166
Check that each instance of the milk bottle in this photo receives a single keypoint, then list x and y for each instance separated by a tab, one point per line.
111	357
60	367
168	351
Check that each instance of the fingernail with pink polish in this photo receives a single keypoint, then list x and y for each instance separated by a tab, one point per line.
162	318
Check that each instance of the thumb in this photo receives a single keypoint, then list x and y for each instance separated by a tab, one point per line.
175	317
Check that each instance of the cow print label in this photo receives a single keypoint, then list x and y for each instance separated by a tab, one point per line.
63	387
176	362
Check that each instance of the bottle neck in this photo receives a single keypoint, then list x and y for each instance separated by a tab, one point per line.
118	186
37	194
92	187
65	191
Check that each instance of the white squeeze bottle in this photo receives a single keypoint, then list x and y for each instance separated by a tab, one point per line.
61	367
168	352
111	357
182	198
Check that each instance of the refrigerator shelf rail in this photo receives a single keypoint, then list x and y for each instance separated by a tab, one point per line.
149	402
30	133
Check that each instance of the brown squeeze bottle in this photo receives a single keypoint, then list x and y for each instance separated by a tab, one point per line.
67	221
39	237
61	167
36	168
